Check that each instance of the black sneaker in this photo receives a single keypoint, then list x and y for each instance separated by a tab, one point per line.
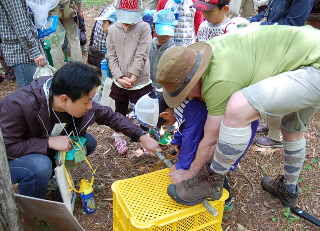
207	185
276	187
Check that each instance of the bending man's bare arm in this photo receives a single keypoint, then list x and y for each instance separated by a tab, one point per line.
205	150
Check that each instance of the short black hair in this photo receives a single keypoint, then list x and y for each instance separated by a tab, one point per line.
220	6
162	107
75	79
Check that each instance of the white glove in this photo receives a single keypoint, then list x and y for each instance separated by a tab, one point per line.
240	22
255	24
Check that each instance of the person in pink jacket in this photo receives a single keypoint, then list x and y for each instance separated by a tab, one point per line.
129	44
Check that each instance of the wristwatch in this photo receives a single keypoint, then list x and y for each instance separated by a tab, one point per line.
142	133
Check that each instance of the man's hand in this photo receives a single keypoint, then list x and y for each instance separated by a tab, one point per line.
173	169
150	144
40	60
180	175
59	143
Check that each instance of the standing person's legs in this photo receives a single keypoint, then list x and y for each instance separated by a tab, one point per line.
72	34
24	73
57	56
247	8
274	128
273	140
32	172
8	71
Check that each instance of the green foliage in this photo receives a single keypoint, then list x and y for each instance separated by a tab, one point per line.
287	212
308	167
300	179
308	187
273	219
98	188
104	204
289	216
316	160
96	4
83	212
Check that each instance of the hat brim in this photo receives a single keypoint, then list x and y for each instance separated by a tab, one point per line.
163	29
206	52
204	6
128	17
100	18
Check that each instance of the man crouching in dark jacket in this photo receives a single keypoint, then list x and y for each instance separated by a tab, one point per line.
37	119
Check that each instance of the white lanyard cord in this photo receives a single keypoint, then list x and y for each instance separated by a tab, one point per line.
66	130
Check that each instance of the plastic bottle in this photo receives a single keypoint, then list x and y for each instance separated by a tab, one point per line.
86	193
104	70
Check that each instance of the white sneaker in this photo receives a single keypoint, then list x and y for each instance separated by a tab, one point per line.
53	184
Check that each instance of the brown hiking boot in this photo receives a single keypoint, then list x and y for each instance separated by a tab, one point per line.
276	187
207	185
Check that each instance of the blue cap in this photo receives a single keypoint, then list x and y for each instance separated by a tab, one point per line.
147	15
108	15
164	22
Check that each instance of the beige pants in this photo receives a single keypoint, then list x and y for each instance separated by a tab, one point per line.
72	34
247	9
273	123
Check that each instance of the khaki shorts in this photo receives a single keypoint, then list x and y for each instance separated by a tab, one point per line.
294	95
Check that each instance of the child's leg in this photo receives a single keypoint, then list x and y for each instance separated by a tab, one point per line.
122	106
120	143
228	206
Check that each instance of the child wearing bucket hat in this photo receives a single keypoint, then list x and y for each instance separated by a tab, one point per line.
164	25
108	18
128	48
216	22
188	20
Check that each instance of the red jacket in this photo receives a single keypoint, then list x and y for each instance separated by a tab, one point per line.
25	120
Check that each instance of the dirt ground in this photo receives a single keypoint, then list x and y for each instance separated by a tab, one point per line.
254	208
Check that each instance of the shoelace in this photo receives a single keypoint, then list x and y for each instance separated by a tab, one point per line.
277	180
192	183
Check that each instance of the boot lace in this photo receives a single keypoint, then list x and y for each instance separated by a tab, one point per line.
277	181
197	180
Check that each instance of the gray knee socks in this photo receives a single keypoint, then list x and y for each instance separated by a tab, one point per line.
294	156
231	144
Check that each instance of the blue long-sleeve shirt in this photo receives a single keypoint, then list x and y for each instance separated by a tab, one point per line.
191	116
285	12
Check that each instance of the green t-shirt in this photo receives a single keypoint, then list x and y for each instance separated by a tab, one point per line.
249	55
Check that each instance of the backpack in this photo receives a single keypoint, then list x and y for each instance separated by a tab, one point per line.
95	56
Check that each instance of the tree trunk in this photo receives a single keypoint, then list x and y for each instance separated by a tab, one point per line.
8	210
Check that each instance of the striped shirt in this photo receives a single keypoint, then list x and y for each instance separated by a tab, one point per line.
178	111
99	37
19	35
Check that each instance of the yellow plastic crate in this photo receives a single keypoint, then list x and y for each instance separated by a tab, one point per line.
142	203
